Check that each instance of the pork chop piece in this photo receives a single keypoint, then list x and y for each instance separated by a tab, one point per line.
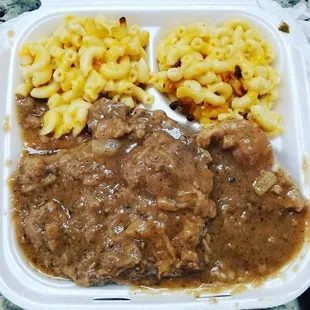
249	144
31	111
137	211
107	119
166	168
251	149
43	226
164	184
143	122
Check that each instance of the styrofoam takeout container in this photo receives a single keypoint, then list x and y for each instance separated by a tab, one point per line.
30	289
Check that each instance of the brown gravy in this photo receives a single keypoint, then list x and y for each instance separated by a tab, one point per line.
251	238
141	210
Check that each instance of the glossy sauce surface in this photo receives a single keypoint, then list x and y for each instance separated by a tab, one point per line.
139	200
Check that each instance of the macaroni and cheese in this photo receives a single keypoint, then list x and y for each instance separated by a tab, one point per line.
84	59
220	73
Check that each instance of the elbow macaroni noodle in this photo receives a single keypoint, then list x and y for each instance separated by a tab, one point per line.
199	65
84	59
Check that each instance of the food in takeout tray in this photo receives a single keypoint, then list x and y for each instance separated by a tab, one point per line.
107	192
142	200
84	58
213	73
220	72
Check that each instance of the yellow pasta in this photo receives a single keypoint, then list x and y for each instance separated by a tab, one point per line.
87	57
84	58
23	89
143	71
46	91
43	76
221	72
115	71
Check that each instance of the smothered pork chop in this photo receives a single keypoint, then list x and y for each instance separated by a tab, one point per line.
142	200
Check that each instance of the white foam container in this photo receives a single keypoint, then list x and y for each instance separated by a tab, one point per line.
30	289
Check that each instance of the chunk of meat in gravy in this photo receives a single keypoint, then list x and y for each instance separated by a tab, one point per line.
250	148
249	144
146	202
135	202
44	226
108	120
143	122
255	228
30	112
166	168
